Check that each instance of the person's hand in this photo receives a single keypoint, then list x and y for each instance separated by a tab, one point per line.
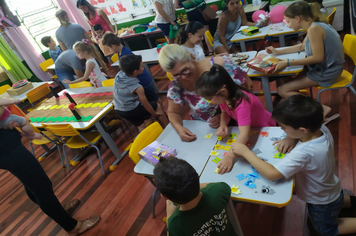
222	131
215	121
272	50
285	145
17	101
226	164
281	65
186	135
66	81
249	85
239	149
15	125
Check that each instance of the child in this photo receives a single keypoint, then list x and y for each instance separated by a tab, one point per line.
130	101
98	39
201	208
6	118
54	51
113	43
235	102
324	50
87	51
311	161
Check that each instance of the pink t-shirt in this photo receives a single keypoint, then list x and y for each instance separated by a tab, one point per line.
6	114
250	113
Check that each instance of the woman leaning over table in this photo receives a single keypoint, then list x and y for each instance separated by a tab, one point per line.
185	71
230	21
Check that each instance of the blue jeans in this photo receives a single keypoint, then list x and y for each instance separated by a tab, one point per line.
65	74
325	217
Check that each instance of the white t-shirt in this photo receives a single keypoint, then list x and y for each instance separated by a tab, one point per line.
96	76
168	8
197	52
313	164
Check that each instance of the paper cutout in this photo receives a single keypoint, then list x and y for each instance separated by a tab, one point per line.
230	141
235	189
249	183
279	155
221	138
241	176
216	170
64	118
103	104
60	106
218	146
66	106
96	104
214	153
88	105
267	190
41	108
225	154
53	107
216	160
56	119
226	148
208	135
275	139
264	134
42	119
80	105
48	119
256	151
232	136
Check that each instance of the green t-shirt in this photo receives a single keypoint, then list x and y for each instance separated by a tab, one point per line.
209	217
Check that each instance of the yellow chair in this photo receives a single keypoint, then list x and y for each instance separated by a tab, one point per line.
77	140
209	37
331	17
37	94
108	82
83	84
346	79
115	57
144	138
45	64
4	88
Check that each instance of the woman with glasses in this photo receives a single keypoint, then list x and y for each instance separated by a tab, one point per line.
185	71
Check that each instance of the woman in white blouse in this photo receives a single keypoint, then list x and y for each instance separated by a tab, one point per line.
165	17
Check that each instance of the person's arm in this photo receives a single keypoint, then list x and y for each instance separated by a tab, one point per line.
224	121
160	10
176	4
63	46
141	95
266	169
222	23
78	73
106	18
88	69
6	101
291	49
244	20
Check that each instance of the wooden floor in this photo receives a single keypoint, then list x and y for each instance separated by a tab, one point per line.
122	198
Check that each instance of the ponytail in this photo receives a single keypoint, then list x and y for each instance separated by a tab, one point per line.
86	46
191	28
305	10
62	16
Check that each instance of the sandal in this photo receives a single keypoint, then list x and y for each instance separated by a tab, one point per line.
331	118
71	206
84	225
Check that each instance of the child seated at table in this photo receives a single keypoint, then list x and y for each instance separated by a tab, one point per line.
130	101
312	162
113	43
54	50
202	207
235	102
323	47
6	117
85	50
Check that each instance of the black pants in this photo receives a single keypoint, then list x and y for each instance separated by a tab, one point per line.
22	164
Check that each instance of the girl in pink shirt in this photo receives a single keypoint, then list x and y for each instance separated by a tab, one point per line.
235	102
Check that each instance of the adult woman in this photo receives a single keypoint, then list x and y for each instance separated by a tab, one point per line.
193	8
165	17
24	166
68	33
95	16
230	21
177	61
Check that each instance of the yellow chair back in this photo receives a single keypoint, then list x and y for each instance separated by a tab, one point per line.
331	17
38	93
144	138
4	88
209	37
108	82
61	130
349	46
115	57
170	76
46	64
83	84
35	129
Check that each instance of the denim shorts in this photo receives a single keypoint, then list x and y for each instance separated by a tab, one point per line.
325	217
165	28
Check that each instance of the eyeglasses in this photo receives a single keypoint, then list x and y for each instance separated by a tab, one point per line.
185	72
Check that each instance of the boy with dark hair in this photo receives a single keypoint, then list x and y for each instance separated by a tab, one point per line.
54	50
312	162
202	208
130	101
113	44
99	32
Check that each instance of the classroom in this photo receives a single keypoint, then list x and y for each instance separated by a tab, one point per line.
177	117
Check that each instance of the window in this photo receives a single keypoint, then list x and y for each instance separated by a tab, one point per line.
38	17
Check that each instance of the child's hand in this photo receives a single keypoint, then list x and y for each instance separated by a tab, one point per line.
226	164
239	149
222	131
66	81
214	122
272	50
186	135
285	145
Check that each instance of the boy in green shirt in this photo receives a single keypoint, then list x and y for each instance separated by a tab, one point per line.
202	207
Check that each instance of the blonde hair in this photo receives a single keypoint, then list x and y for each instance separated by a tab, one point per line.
170	55
86	46
306	10
62	16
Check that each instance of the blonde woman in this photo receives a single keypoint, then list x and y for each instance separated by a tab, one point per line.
69	33
185	71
